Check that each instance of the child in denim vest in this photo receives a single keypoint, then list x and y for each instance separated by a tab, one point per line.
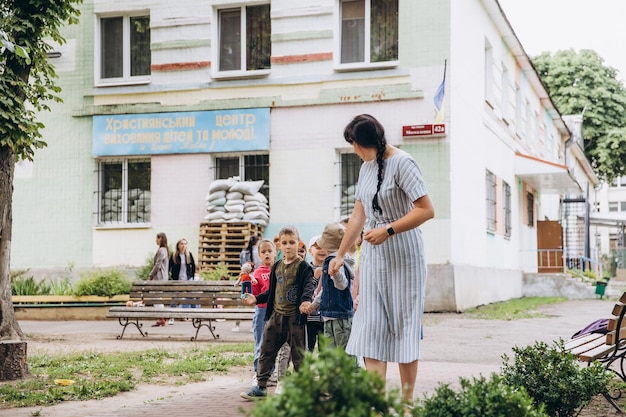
334	301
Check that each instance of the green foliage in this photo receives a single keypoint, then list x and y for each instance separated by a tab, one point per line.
519	308
479	397
555	378
580	83
105	283
61	286
218	273
23	285
100	375
330	385
143	272
28	77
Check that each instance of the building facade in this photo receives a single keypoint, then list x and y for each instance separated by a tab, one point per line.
163	98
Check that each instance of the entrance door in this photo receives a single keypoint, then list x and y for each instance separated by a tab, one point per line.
550	246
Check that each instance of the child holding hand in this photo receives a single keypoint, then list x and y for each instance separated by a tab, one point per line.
334	301
288	299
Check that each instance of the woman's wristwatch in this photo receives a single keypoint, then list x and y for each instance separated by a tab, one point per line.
390	230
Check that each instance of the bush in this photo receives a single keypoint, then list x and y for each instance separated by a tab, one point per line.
555	378
22	285
219	273
143	273
330	384
106	283
479	397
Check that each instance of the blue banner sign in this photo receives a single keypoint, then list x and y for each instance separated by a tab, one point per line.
182	132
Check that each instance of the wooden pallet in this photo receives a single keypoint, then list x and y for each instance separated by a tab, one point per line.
221	243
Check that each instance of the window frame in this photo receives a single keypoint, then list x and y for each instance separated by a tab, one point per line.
491	201
507	208
242	166
530	209
344	209
242	72
367	63
126	78
124	197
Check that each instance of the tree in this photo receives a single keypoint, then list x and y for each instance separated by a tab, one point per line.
26	85
580	83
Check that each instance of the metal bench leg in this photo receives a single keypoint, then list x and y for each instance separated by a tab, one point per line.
124	322
197	323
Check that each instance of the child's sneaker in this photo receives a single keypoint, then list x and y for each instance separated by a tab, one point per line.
254	393
279	388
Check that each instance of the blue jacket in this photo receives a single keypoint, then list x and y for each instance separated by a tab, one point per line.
336	303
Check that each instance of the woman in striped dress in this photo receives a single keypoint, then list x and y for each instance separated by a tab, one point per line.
391	203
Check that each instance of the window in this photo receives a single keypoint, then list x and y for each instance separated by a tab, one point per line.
489	74
490	183
124	191
245	38
505	94
247	168
619	182
369	31
617	206
124	48
530	209
506	189
350	167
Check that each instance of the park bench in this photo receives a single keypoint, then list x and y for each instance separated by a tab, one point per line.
607	348
215	300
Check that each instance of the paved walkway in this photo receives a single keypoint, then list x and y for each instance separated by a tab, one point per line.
454	346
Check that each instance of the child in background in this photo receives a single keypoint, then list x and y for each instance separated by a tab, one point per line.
335	300
315	325
284	354
288	299
267	254
279	253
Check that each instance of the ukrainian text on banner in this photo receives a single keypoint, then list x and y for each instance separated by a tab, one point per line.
182	132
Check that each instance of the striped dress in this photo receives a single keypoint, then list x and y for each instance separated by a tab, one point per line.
388	323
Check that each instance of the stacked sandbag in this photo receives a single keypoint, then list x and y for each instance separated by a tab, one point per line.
138	205
232	200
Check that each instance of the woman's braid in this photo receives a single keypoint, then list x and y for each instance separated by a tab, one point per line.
380	151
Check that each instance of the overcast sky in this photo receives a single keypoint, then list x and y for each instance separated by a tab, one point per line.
551	25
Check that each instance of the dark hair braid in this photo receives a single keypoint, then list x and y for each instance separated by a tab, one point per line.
381	165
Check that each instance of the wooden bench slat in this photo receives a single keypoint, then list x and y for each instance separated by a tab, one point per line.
573	343
609	349
211	296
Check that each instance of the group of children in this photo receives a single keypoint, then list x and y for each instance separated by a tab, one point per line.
293	298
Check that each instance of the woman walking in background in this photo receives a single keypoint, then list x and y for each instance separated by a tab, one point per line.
161	265
391	203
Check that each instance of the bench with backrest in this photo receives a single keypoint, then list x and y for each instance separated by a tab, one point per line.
607	348
207	301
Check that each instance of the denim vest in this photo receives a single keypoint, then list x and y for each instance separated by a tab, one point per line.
336	304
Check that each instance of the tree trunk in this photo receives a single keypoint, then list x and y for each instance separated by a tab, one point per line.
13	354
13	360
